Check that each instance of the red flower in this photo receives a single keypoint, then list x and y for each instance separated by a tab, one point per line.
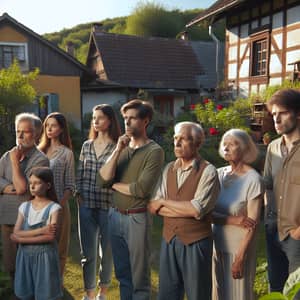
206	100
213	131
192	106
219	107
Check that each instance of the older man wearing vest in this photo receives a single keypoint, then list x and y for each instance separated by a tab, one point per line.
185	198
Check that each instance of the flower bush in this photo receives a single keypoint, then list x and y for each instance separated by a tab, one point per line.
216	119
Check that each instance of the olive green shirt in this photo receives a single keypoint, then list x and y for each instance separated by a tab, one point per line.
141	169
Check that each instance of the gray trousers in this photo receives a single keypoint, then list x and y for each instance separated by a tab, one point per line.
185	268
291	249
130	242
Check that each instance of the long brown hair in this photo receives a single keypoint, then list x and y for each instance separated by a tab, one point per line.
114	128
64	137
46	175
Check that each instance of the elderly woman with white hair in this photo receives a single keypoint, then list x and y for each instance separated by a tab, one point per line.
235	219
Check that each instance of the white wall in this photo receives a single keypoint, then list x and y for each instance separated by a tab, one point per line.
277	20
293	15
91	99
275	81
178	104
293	39
275	64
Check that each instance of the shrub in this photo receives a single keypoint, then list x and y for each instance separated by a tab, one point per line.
216	119
266	94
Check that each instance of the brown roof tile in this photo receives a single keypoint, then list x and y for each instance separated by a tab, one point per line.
148	62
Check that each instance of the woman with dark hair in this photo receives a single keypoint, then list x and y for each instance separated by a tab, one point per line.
94	201
56	144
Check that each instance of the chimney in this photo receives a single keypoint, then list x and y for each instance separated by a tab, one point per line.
184	35
70	48
97	27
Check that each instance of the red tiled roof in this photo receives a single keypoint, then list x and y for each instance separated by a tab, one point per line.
148	62
217	8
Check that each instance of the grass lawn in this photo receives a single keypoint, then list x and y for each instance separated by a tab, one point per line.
73	275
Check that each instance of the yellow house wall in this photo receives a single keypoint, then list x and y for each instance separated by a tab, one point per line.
66	87
68	91
8	34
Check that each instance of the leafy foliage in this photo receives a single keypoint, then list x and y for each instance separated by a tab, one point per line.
147	19
15	92
261	280
220	118
15	87
5	286
266	94
280	296
150	19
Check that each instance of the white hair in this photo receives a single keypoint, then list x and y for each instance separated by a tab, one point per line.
196	129
35	121
248	147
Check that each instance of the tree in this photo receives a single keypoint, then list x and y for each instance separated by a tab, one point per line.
147	19
15	92
151	19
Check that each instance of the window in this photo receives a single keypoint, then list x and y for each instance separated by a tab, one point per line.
11	51
43	105
259	57
164	105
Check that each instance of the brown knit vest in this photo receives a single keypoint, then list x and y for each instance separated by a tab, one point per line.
187	229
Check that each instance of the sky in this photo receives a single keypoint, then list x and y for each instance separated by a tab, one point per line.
54	15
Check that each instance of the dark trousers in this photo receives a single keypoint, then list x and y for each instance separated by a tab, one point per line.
185	268
278	264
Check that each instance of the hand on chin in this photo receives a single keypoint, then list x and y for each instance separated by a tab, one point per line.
129	132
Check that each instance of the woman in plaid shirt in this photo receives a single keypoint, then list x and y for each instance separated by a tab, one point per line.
94	201
56	144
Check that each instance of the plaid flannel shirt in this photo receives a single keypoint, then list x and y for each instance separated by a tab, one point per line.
93	195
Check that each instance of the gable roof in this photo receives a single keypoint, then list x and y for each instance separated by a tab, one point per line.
147	62
215	11
6	18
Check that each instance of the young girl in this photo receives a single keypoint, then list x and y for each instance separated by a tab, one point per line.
56	144
37	230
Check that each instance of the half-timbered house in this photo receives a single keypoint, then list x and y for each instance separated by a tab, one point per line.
262	41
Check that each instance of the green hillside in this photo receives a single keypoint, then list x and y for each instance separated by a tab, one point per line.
146	20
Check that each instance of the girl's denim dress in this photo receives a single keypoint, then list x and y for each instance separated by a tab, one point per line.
37	266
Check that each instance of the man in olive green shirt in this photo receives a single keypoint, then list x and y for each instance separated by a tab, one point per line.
134	166
282	178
